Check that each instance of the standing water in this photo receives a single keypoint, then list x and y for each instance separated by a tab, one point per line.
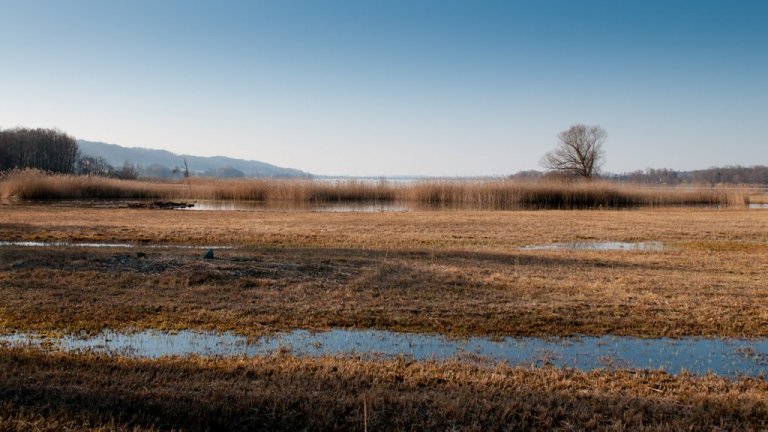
726	357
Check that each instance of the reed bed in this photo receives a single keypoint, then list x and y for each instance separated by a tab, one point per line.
512	195
37	185
486	195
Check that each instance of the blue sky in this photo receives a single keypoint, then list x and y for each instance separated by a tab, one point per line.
388	87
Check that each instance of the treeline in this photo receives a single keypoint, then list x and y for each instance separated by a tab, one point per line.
54	151
757	175
44	149
98	166
736	174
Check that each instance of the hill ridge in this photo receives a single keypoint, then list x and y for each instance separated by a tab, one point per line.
144	157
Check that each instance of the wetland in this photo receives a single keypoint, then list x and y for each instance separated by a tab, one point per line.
646	319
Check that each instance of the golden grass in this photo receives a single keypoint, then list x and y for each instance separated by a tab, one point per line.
454	272
759	198
457	272
417	230
514	195
490	195
92	392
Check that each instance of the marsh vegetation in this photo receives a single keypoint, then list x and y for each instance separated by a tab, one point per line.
459	273
498	194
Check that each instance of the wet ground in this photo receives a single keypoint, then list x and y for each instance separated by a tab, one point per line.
599	246
721	356
260	206
239	205
35	244
363	207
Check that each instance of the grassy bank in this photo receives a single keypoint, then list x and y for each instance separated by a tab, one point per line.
492	195
88	392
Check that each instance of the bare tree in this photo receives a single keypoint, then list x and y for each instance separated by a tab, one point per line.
93	166
580	151
45	149
129	171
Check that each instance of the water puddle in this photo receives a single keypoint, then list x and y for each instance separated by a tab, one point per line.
600	246
763	206
343	207
726	357
230	205
64	244
104	245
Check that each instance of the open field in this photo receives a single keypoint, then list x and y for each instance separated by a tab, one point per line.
452	272
457	273
282	392
488	194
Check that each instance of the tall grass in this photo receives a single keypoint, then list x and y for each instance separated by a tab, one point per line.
489	195
37	185
504	195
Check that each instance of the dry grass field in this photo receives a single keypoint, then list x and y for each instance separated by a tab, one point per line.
454	272
48	392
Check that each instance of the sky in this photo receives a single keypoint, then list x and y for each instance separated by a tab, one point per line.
395	87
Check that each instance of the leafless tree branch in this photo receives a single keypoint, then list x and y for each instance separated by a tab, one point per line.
579	151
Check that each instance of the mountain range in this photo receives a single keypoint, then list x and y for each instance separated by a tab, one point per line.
148	160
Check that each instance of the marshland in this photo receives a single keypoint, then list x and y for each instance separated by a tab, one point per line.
488	260
383	215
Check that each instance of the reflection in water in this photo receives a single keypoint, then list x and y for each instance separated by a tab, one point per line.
64	244
599	246
105	245
727	357
340	207
262	206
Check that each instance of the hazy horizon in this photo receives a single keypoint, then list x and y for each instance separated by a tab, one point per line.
403	175
432	88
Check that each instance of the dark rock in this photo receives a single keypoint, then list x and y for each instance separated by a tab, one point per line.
164	205
209	254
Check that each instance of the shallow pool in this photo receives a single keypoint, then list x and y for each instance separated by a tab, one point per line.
599	246
726	357
104	245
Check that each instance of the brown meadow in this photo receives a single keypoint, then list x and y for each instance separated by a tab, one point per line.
458	272
44	392
455	272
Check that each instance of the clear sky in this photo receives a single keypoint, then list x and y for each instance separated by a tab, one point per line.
388	87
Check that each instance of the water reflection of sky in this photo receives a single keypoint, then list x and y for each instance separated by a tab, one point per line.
599	246
365	206
340	207
105	245
727	357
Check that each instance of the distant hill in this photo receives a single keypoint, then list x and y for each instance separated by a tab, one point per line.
154	160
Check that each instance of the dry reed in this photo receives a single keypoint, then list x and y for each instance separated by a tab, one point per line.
486	195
